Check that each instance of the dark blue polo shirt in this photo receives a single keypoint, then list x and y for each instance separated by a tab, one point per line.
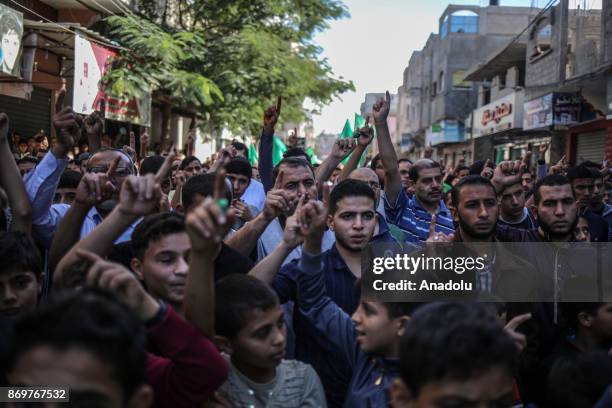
311	347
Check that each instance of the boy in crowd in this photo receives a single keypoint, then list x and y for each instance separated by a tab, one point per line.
239	174
250	328
187	368
439	370
248	322
369	341
583	184
66	189
20	274
512	208
26	164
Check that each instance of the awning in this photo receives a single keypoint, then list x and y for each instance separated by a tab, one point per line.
58	38
101	6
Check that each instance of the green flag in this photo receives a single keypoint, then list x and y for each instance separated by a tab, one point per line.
347	131
313	157
253	156
359	121
278	149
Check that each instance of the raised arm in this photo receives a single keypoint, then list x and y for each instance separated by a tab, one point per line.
266	144
388	156
366	134
11	181
340	149
314	303
94	126
144	143
42	182
206	226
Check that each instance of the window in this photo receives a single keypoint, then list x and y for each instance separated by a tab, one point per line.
434	88
408	115
441	82
458	82
464	21
444	28
541	35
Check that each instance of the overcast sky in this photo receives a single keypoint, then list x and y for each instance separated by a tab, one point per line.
373	47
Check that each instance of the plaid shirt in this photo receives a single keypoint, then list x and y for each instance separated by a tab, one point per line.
408	214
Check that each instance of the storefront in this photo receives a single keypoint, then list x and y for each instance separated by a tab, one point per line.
582	130
587	141
497	130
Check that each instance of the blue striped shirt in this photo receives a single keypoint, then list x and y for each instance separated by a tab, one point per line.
408	214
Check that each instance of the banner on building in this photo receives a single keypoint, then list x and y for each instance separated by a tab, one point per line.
554	109
11	33
90	64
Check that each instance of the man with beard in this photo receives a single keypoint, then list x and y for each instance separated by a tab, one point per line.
412	214
475	211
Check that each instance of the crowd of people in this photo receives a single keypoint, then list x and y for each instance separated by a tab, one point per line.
145	277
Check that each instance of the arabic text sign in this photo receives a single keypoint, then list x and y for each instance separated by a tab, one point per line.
502	114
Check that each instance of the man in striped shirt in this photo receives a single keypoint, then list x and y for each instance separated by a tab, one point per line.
412	214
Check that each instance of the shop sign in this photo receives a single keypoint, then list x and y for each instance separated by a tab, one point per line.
445	131
90	64
554	109
499	115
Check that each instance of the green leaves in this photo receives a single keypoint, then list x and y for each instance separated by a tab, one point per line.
228	61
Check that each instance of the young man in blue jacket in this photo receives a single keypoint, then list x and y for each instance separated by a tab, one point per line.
369	340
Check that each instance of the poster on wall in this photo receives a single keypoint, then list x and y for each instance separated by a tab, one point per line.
90	63
11	33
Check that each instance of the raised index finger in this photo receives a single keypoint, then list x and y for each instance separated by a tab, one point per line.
279	180
432	226
219	184
279	103
113	166
59	102
517	321
162	173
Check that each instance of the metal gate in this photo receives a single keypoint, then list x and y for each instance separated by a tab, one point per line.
28	117
591	146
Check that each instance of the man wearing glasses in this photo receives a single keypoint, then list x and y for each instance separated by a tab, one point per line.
96	195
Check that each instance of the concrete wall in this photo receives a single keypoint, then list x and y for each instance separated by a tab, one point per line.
441	57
